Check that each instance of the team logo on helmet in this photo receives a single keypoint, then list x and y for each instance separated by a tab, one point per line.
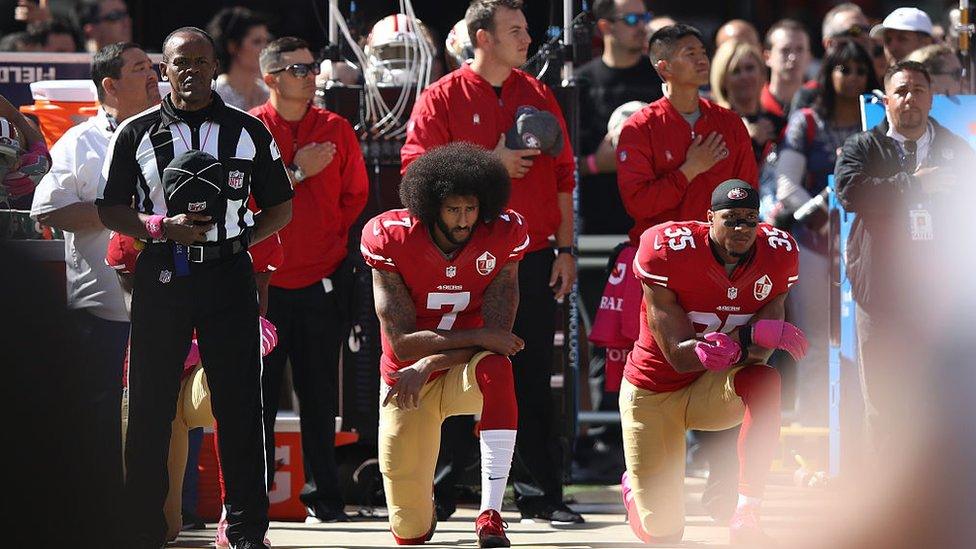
485	263
196	206
451	271
235	179
737	194
762	288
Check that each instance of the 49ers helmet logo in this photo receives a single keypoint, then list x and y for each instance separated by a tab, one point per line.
762	288
485	263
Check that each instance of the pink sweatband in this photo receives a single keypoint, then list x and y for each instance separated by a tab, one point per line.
154	226
591	164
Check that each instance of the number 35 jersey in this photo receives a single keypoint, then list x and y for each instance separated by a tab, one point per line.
447	292
678	256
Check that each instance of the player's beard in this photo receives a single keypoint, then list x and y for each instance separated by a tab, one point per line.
449	234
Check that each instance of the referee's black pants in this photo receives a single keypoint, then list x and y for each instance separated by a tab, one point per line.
219	299
309	325
538	464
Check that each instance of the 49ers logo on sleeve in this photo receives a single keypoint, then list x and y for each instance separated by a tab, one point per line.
485	263
762	288
235	179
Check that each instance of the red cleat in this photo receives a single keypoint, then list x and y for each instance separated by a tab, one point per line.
744	529
491	530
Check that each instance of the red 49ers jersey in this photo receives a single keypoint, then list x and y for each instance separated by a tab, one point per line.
447	292
677	256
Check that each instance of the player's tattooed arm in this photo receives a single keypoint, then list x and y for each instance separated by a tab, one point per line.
501	299
672	330
500	303
398	320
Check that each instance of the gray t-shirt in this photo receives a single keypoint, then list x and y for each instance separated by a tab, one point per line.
691	118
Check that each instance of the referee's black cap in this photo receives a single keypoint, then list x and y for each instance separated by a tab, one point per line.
192	183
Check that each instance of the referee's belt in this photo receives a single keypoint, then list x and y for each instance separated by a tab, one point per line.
200	253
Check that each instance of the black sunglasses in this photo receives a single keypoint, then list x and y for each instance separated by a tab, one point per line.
114	16
299	70
634	19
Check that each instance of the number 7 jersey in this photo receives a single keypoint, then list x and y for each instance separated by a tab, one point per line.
678	256
447	292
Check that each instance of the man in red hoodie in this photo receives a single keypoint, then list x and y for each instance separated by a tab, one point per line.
478	103
329	177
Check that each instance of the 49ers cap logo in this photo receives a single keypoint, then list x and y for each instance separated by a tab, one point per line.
485	264
737	194
196	206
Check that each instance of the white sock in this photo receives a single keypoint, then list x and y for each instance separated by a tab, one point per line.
497	447
746	500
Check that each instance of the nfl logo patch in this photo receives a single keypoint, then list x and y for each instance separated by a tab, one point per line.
196	206
485	263
451	271
476	119
165	276
762	288
733	293
235	179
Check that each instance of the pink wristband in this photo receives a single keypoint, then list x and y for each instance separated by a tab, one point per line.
154	226
591	164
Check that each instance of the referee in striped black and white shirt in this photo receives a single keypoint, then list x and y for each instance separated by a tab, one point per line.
189	165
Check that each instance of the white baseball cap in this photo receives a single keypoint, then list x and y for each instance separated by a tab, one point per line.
907	19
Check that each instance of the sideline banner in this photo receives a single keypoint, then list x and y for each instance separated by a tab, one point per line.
19	69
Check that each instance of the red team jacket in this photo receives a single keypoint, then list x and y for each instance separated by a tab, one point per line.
463	106
326	204
447	293
677	256
652	147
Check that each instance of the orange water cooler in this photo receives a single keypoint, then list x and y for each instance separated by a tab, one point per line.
60	104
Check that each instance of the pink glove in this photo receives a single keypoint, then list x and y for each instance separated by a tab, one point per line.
192	357
718	351
269	336
777	334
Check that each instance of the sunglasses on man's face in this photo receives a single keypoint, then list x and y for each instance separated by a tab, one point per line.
299	70
634	19
113	16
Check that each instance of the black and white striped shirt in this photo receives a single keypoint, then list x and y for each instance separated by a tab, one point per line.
146	143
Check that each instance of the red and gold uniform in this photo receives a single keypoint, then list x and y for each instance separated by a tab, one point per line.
447	294
658	404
